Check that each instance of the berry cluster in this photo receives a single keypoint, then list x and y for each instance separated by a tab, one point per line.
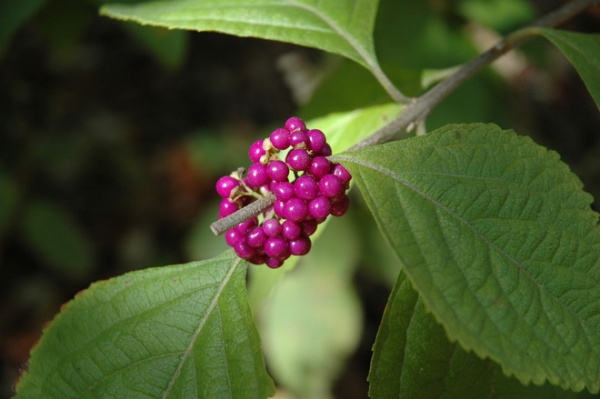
307	186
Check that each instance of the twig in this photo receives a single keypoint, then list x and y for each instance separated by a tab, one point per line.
418	108
421	106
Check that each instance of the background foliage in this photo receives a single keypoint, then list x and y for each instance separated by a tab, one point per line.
114	134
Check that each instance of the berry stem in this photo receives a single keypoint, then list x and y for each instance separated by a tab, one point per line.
222	225
420	107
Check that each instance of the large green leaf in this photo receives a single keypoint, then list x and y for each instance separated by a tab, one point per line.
499	239
583	51
412	358
342	27
174	332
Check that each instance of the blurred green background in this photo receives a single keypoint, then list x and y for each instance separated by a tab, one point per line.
112	136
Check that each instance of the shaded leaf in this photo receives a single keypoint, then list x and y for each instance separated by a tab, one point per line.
343	27
412	358
57	239
173	332
313	321
12	15
498	237
583	51
168	46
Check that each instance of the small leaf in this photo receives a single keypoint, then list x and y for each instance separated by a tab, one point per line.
343	27
412	358
583	51
174	332
498	238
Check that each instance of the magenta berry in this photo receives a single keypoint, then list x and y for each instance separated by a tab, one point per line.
307	187
294	123
319	208
225	185
277	171
331	186
280	139
316	140
298	159
256	151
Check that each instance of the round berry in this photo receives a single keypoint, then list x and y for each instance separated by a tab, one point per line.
325	151
257	175
280	138
330	186
298	159
306	187
225	185
243	250
283	190
296	209
290	230
227	208
247	224
272	227
258	259
280	208
316	140
277	247
233	236
300	246
341	173
294	123
256	237
274	263
319	167
309	227
319	208
256	150
340	206
298	139
278	170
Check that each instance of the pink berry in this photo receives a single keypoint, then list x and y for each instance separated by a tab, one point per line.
272	227
294	123
283	190
319	167
300	246
225	185
342	173
330	186
257	175
309	227
319	208
256	150
325	151
243	250
340	206
280	208
280	138
306	187
295	209
277	247
298	159
256	237
290	230
273	263
246	225
227	208
298	139
278	170
233	236
316	140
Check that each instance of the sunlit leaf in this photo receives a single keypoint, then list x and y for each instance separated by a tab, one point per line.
174	332
499	239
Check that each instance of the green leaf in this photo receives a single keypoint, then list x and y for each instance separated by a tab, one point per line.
168	46
313	321
583	51
58	240
412	358
497	236
343	27
173	332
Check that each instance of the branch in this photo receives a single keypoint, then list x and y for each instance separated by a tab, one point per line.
420	107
